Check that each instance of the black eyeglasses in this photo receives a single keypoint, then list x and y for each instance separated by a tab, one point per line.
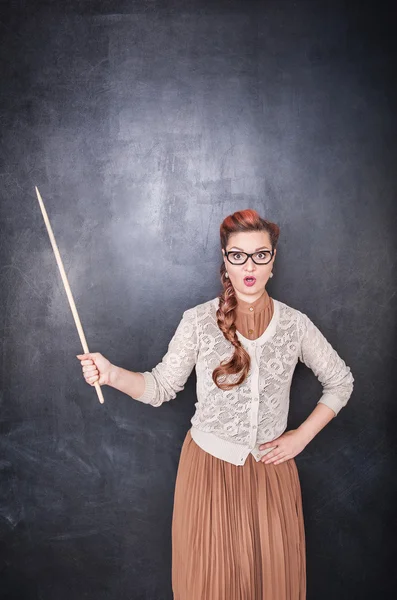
263	257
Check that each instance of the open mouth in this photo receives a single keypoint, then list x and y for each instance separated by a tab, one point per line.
249	280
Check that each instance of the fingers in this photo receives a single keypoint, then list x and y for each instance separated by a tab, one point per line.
90	371
87	356
85	361
276	460
284	459
91	378
271	454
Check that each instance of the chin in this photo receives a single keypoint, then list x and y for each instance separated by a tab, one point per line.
253	289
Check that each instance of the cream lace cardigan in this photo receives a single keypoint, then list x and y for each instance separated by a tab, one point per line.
231	424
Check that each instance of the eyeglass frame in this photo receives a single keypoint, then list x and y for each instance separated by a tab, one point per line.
249	256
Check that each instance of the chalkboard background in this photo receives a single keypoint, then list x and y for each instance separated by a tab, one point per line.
144	124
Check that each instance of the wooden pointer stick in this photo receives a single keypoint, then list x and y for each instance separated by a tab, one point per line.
67	287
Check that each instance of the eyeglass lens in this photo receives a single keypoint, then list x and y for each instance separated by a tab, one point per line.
238	258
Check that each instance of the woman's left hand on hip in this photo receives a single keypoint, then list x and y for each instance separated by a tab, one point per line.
289	444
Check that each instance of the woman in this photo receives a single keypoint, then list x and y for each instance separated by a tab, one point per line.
238	528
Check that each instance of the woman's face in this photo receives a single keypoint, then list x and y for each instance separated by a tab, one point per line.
251	241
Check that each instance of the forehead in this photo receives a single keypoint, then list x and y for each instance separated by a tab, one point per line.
249	241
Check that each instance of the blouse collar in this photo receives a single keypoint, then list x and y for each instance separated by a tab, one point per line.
253	307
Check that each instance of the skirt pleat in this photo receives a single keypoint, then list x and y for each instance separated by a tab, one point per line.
237	531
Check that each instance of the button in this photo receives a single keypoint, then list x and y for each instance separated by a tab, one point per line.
254	427
251	308
250	331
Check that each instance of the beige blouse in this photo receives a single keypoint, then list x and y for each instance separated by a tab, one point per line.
255	411
253	317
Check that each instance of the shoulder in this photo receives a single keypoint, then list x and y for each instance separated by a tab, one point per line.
305	326
209	307
203	309
287	311
289	316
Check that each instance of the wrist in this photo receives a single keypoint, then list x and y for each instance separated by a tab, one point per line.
113	374
306	433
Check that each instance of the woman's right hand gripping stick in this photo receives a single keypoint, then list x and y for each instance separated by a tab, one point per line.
95	368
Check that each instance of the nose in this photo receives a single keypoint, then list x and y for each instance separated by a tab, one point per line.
250	262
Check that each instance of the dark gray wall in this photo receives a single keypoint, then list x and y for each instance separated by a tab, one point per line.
144	124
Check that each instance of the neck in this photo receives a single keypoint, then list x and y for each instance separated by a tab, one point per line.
243	299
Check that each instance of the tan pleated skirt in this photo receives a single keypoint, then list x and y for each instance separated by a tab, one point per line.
237	531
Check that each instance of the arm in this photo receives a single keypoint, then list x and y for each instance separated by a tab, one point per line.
332	372
291	442
316	421
337	381
129	382
169	376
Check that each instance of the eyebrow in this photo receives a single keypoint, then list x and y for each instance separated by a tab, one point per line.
256	249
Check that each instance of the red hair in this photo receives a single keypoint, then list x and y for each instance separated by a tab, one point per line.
239	363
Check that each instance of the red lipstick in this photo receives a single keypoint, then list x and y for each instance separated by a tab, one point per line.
249	280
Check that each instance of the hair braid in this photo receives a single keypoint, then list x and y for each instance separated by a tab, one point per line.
240	362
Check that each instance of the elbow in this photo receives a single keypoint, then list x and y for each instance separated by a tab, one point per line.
157	390
349	385
151	394
336	397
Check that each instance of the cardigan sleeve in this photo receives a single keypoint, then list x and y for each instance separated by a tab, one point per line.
170	375
330	369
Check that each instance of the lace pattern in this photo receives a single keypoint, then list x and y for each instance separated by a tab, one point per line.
230	415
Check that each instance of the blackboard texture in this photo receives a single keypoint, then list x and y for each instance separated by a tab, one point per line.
144	124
